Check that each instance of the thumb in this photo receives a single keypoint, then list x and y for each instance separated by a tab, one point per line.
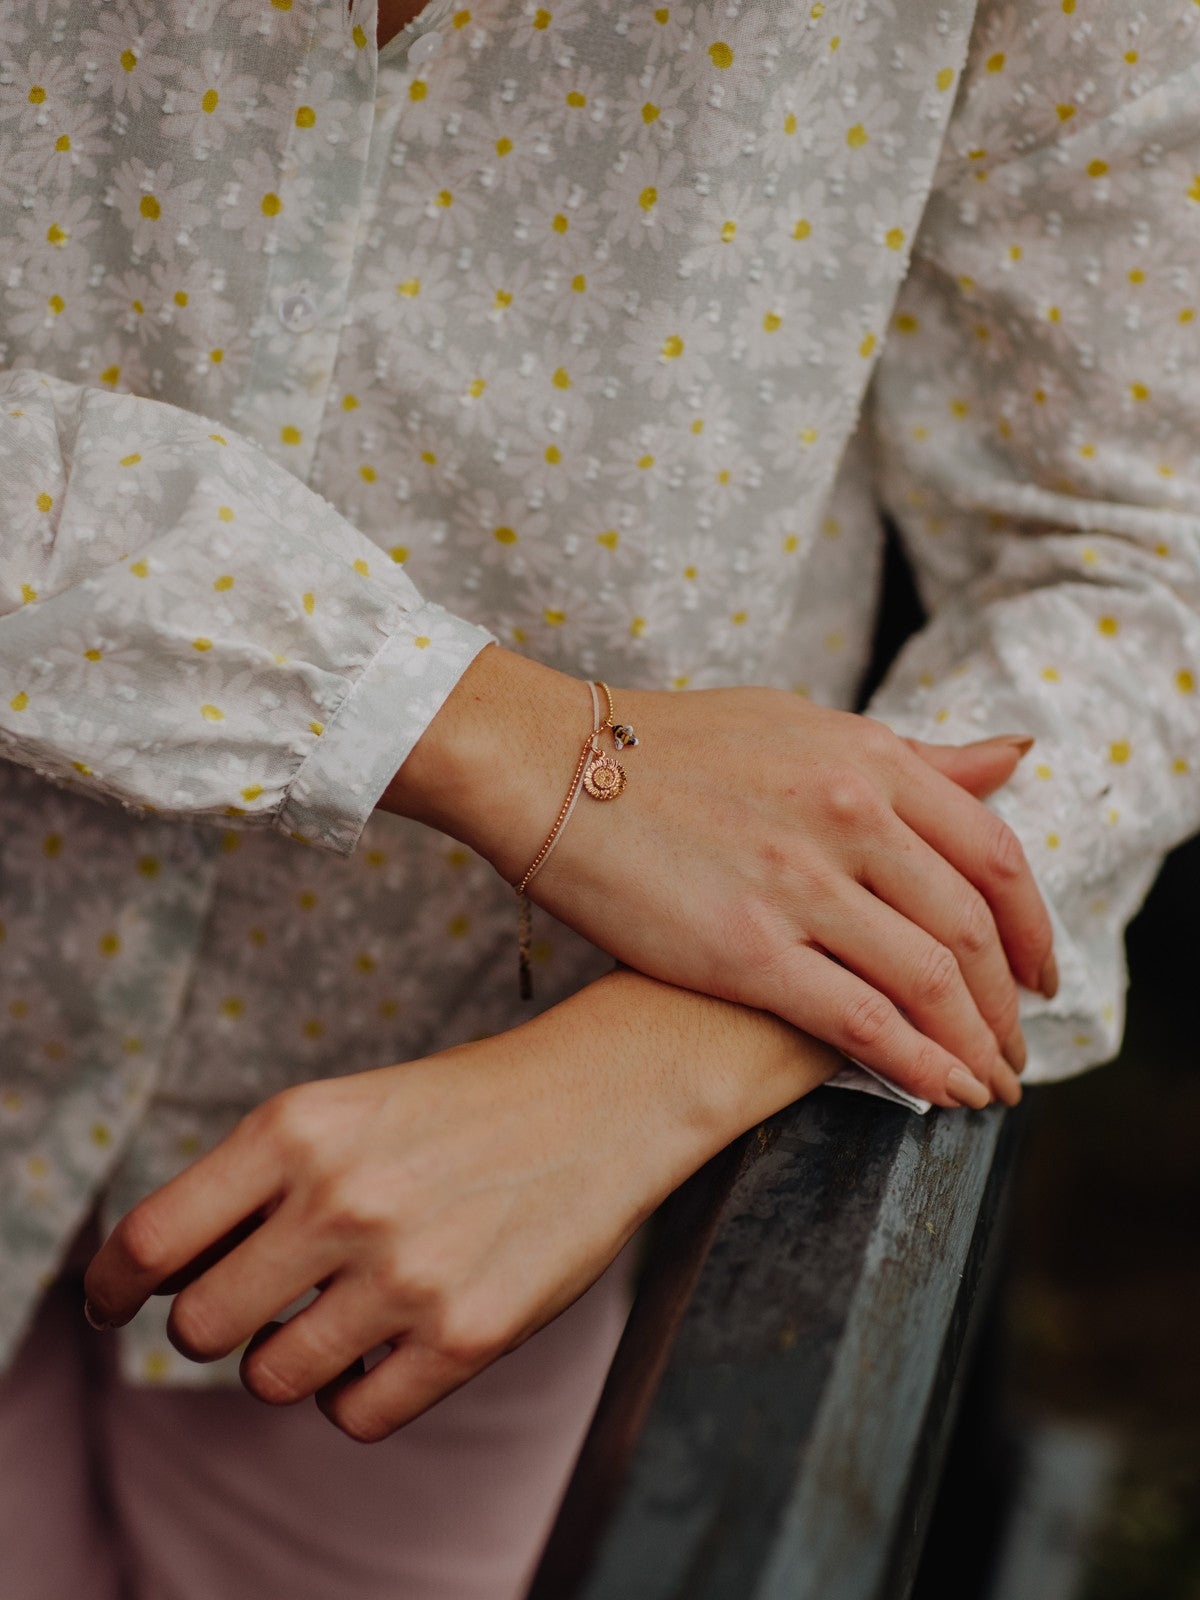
980	768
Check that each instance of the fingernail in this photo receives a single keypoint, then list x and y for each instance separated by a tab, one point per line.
1014	1050
967	1089
1022	742
1008	1085
94	1320
1049	978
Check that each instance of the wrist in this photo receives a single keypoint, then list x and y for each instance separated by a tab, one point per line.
491	766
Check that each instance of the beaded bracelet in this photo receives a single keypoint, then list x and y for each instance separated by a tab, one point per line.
604	779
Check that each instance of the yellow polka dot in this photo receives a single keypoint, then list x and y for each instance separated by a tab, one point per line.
44	501
609	539
645	462
648	197
129	60
894	238
458	926
252	791
93	655
225	581
867	347
554	618
359	37
1052	841
212	713
52	845
856	136
1139	391
218	438
738	617
637	628
1118	751
542	18
289	434
233	1006
461	18
272	205
37	95
19	701
906	323
945	78
575	99
108	944
306	117
209	101
63	143
1185	682
579	283
130	460
150	208
996	63
317	727
422	641
720	54
772	322
310	603
361	567
504	535
1108	626
444	198
552	454
313	1028
1097	168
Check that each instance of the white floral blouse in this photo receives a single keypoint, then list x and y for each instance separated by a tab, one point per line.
560	318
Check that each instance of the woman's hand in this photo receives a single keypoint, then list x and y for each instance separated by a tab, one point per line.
766	850
448	1207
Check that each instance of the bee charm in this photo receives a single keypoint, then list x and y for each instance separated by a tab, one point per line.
623	735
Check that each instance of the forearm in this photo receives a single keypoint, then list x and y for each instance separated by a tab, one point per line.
689	1071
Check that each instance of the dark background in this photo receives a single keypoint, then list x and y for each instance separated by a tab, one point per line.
1100	1315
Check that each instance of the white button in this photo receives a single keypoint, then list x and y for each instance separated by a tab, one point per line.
298	311
425	48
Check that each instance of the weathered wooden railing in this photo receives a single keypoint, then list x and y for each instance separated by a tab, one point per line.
776	1419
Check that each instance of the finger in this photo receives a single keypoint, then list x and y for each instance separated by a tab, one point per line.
166	1231
921	976
401	1386
987	852
845	1011
319	1344
922	885
981	767
267	1273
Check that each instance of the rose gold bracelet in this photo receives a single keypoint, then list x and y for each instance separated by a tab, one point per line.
604	779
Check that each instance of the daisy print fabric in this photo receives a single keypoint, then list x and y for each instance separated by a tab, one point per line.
603	331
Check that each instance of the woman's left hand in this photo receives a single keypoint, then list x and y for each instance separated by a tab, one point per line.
446	1207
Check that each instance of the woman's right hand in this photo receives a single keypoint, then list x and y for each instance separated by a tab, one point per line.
766	850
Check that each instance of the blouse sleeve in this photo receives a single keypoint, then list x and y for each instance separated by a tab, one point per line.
185	627
1037	430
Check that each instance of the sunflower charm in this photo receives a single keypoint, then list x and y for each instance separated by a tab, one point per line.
604	779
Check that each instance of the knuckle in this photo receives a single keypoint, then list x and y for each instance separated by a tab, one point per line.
193	1330
849	798
262	1377
356	1419
470	1337
975	928
927	1073
937	975
142	1243
345	1207
1005	858
869	1020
